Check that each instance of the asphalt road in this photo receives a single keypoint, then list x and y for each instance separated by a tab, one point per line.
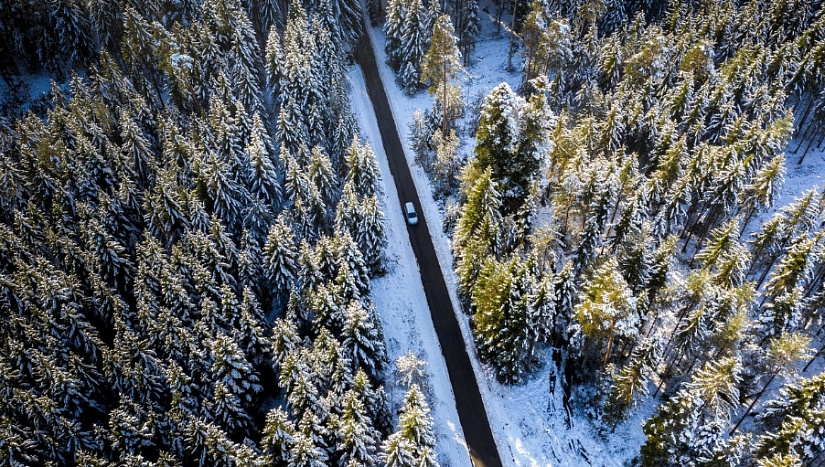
471	412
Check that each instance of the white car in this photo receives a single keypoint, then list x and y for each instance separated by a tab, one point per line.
409	212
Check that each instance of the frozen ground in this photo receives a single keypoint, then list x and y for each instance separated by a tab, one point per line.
32	88
800	178
528	421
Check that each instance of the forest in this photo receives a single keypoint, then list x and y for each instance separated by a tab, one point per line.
190	222
607	211
189	226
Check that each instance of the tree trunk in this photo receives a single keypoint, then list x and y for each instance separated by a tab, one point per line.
805	115
444	100
746	222
803	137
766	271
821	349
815	282
754	259
499	11
652	323
821	139
808	147
705	229
686	229
753	402
566	217
619	199
609	346
511	49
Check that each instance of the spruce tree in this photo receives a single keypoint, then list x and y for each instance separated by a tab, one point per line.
503	320
396	18
357	439
607	308
440	66
414	442
415	39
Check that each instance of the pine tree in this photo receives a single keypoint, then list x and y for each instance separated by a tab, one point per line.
396	18
690	425
372	238
510	134
794	421
497	130
761	191
273	61
278	435
636	259
357	439
130	430
136	149
783	353
414	442
440	66
477	230
322	175
503	320
566	291
245	59
446	163
285	339
632	380
607	308
362	169
398	451
226	409
415	38
779	460
230	368
361	341
263	175
281	258
164	208
305	453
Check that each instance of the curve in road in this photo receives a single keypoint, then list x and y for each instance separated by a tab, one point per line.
471	412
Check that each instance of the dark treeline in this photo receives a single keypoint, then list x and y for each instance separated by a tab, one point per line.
189	227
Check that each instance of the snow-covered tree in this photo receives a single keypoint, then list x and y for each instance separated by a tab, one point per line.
608	308
503	320
415	40
396	18
441	65
413	444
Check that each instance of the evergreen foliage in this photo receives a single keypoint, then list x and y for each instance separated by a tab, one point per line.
650	137
158	222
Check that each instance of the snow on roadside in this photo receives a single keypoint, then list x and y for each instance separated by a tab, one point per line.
400	300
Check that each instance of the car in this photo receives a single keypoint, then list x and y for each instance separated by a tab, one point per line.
410	214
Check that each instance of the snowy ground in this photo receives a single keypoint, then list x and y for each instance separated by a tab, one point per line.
800	178
32	88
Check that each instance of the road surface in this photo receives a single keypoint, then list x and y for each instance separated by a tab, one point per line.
470	407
